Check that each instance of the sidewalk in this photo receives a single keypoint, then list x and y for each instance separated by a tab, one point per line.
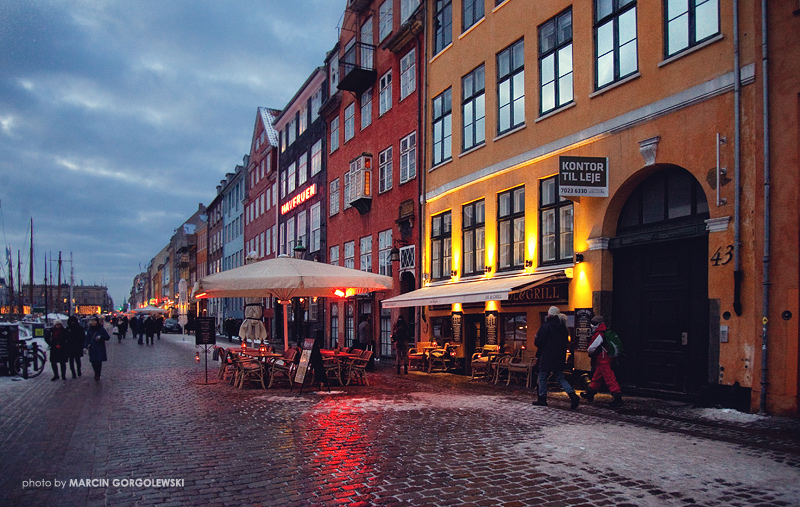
149	432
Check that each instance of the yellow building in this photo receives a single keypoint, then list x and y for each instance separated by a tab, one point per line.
586	155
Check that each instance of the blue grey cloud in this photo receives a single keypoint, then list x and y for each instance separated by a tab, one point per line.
117	118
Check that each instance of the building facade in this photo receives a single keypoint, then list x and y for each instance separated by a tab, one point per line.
376	77
233	254
301	194
587	156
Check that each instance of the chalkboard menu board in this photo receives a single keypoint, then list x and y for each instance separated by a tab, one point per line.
583	327
205	331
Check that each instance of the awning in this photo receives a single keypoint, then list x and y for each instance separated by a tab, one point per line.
476	291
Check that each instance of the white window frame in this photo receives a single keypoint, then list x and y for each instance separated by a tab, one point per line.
333	255
316	157
350	254
349	121
365	253
385	19
316	227
366	109
384	250
408	74
334	134
385	170
385	94
408	157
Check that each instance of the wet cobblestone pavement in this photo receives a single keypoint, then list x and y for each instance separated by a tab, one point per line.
417	439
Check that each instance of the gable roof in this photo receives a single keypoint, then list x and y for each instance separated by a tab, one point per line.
267	117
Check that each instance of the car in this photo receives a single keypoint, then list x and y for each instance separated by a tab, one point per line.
172	326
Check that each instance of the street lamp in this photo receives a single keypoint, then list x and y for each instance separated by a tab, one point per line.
394	254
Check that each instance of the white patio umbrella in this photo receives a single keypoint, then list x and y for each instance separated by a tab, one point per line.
285	278
149	309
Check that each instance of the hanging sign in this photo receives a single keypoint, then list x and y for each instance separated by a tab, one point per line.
583	176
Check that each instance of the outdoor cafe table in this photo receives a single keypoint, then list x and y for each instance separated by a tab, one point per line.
256	353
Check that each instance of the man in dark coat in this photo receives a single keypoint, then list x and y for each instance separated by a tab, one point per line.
57	339
96	338
551	344
149	329
75	338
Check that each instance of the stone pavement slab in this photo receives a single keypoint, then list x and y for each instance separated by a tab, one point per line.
149	432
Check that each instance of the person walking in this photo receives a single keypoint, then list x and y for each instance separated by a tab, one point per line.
551	343
122	327
57	339
96	338
603	371
159	325
75	338
149	329
401	336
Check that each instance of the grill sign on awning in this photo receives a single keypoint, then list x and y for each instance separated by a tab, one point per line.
583	176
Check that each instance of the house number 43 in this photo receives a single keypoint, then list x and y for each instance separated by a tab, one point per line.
722	256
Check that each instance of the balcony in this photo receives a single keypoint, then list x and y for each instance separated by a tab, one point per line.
357	68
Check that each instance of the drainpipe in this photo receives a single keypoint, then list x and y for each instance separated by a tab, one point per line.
762	405
422	108
737	93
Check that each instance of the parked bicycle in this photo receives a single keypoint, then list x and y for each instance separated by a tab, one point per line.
30	359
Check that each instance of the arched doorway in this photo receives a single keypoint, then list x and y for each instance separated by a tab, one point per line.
660	296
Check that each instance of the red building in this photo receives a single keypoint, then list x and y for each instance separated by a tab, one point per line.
375	76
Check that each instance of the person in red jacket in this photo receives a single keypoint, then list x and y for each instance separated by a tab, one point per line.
603	371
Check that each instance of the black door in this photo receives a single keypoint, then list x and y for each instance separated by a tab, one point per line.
661	313
474	337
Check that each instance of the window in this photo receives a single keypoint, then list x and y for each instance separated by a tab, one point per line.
291	178
316	103
302	169
334	197
283	184
408	74
555	223
473	237
385	19
386	332
365	254
333	73
690	22
368	40
349	122
333	255
511	87
514	331
440	246
615	40
316	157
366	109
408	157
290	235
291	131
302	228
267	236
384	248
350	254
316	227
511	228
555	62
472	12
349	324
473	109
385	97
347	190
385	170
303	123
442	127
407	8
334	338
334	134
443	25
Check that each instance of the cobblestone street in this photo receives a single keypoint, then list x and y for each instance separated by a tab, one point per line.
418	439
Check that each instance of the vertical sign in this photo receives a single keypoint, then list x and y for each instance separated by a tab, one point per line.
583	327
491	328
305	357
583	176
457	327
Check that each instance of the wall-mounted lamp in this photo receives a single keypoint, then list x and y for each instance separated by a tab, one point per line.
425	277
394	254
487	269
528	263
454	273
578	258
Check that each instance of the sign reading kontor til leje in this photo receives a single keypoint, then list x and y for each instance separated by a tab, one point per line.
583	176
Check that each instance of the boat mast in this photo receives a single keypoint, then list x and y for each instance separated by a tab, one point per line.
30	285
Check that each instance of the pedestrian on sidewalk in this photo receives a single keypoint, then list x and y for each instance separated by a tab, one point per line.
122	327
96	338
603	371
75	338
159	325
401	336
149	329
57	339
551	343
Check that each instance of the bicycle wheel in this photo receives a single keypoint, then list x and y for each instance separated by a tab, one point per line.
41	359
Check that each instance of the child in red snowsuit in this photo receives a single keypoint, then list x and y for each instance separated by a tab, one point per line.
603	371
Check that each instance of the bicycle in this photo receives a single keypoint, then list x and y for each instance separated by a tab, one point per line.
30	359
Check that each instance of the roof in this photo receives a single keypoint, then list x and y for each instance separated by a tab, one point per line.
267	117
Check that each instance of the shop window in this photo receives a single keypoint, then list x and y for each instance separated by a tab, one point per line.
555	224
442	329
513	332
334	329
349	325
386	333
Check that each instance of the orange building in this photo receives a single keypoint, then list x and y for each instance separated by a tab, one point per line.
587	155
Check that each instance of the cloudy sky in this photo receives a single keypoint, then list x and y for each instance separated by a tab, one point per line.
119	117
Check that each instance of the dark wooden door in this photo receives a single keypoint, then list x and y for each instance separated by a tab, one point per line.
661	312
474	337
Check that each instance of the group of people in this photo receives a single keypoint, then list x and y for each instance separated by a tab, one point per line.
552	341
144	328
68	344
